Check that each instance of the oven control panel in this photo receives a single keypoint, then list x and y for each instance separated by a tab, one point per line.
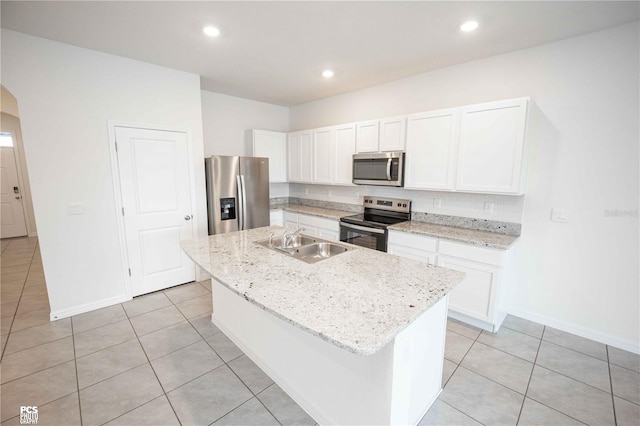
391	204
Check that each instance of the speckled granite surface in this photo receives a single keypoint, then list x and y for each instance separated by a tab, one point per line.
315	211
359	300
462	235
499	235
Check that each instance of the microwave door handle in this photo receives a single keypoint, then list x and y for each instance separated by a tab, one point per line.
362	228
388	169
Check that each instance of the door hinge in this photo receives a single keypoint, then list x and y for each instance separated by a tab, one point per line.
123	211
129	271
116	143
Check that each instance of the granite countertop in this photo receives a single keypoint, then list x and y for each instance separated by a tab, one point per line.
314	211
453	233
462	235
359	300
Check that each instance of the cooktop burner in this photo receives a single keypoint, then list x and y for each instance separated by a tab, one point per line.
381	213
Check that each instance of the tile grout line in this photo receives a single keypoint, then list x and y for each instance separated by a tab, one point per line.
19	300
456	369
535	361
75	363
164	392
613	400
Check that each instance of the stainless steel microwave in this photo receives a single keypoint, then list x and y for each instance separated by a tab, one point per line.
379	168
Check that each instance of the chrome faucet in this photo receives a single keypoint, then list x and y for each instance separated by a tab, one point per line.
287	239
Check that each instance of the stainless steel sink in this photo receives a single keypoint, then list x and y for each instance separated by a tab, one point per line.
321	250
305	248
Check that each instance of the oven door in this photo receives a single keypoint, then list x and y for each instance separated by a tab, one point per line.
363	236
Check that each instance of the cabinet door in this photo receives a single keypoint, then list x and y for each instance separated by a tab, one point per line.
272	145
431	150
328	234
276	217
345	147
290	220
306	156
293	157
323	147
392	134
491	147
367	136
475	296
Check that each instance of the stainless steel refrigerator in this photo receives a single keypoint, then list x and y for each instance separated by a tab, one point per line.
237	193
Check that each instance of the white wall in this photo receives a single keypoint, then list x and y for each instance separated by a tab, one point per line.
581	276
66	96
227	120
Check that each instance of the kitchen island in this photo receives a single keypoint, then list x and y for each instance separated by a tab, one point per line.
355	339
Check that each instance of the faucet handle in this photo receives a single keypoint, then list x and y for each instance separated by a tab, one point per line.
271	239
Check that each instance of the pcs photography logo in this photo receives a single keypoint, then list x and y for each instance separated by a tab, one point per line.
28	415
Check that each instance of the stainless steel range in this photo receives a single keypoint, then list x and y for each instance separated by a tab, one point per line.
369	229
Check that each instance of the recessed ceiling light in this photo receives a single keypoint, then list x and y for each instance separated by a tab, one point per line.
327	73
468	26
211	31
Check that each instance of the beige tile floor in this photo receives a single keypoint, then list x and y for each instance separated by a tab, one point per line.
158	360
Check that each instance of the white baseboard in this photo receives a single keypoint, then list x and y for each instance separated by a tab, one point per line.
65	313
607	339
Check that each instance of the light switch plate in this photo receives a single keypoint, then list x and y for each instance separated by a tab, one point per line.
75	208
437	203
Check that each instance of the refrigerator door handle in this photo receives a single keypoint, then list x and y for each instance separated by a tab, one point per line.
240	207
241	197
244	202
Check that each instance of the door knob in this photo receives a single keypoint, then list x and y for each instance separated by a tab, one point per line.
188	217
18	197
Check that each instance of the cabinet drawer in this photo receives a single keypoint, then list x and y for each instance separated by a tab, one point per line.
420	242
474	253
318	222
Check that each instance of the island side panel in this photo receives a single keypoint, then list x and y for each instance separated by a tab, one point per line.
418	362
395	385
333	385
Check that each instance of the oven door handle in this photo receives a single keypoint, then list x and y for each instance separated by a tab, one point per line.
362	228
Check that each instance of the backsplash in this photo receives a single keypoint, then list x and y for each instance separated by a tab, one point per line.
456	209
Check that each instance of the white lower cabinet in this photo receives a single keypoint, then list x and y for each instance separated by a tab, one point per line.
479	299
290	220
276	217
412	246
328	229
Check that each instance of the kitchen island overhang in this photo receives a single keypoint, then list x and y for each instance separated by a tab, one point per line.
355	339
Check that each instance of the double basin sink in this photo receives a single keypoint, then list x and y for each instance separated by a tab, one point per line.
305	248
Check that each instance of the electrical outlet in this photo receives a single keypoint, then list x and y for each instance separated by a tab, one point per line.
489	207
437	203
75	208
559	215
330	193
306	191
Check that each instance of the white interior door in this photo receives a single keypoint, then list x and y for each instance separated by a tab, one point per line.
12	219
155	187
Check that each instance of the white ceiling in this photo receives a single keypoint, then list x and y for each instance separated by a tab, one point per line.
275	51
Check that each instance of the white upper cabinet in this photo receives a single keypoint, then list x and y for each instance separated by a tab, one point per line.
392	134
272	145
431	150
477	148
323	148
387	134
491	147
345	147
367	136
300	150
